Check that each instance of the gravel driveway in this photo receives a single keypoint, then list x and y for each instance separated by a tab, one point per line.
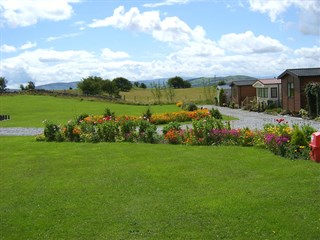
252	120
256	120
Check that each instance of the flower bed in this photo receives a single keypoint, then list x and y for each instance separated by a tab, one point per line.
278	137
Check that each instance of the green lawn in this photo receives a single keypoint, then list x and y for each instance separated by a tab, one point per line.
31	111
141	191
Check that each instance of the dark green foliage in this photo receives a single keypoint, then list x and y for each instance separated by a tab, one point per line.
298	138
50	131
171	126
221	82
122	84
91	85
108	113
189	106
110	88
3	84
222	97
178	82
142	85
147	115
108	131
81	117
147	132
307	131
312	91
29	86
216	113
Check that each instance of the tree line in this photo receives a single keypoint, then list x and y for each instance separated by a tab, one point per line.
94	85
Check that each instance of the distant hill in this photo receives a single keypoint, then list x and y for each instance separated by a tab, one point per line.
198	82
58	86
195	82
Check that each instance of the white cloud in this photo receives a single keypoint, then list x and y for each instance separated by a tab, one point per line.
311	53
170	29
7	48
17	13
67	35
110	55
246	43
194	60
166	3
28	45
309	12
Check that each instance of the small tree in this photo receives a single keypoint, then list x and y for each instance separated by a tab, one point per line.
91	85
169	92
30	86
123	84
156	92
136	84
222	97
3	84
110	88
178	82
142	85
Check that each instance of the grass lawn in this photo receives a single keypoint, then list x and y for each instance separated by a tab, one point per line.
31	111
141	191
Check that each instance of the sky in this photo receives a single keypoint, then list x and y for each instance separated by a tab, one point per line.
47	41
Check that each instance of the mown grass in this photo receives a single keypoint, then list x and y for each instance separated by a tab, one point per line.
32	110
141	191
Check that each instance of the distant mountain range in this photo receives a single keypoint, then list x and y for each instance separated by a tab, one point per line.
195	82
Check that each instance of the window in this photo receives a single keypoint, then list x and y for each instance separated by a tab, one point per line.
274	92
263	92
290	89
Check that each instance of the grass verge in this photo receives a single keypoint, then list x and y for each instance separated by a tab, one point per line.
141	191
31	111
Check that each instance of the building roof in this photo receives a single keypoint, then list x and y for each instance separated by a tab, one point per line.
270	81
224	87
243	83
302	72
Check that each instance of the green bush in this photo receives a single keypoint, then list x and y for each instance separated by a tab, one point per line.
171	126
189	107
50	131
216	113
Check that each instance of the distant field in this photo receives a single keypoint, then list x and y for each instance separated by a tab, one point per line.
197	95
31	111
145	191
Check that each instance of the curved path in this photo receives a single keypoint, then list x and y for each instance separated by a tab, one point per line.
253	120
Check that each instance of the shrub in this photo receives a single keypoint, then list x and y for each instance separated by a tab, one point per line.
175	126
50	131
147	115
303	113
179	104
81	117
108	131
147	132
189	106
215	113
298	138
108	113
307	131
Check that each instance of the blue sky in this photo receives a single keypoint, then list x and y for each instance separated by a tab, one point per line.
47	41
